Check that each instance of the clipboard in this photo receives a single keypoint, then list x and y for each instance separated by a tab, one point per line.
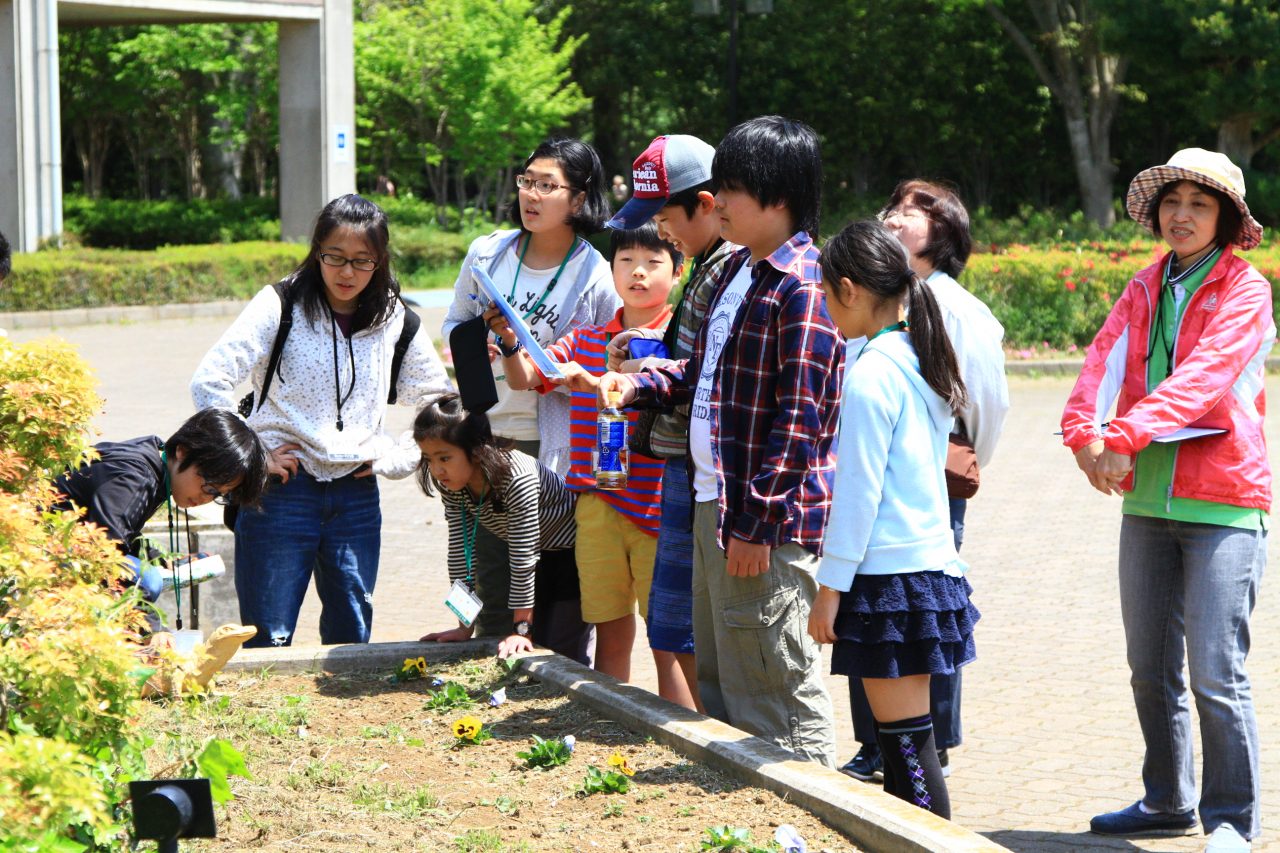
1184	434
548	368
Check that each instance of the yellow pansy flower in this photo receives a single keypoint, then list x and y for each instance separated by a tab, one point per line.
620	763
467	728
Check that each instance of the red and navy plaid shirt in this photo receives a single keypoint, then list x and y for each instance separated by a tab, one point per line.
775	401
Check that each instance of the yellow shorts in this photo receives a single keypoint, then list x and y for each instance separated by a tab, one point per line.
615	561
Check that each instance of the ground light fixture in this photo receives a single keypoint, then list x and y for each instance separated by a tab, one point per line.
165	810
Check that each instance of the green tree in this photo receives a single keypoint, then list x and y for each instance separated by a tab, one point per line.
459	89
1065	42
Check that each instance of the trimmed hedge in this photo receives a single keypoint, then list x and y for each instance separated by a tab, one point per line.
84	278
1060	297
1056	297
132	224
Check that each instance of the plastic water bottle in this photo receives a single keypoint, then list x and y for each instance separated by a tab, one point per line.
609	458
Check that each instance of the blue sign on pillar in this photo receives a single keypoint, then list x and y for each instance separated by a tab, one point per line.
342	143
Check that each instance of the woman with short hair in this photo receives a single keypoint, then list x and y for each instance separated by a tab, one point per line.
1185	346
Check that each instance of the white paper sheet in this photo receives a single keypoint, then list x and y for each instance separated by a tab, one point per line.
541	360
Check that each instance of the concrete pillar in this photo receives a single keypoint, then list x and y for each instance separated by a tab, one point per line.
317	116
30	133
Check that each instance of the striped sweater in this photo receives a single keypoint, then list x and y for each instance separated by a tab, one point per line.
536	516
640	501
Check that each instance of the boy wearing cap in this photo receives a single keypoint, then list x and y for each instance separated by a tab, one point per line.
672	179
764	383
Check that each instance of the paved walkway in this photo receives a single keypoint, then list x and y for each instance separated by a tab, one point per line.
1051	736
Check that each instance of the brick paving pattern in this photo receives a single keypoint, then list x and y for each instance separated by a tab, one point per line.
1050	733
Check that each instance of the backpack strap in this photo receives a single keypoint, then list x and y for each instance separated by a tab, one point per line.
410	328
286	323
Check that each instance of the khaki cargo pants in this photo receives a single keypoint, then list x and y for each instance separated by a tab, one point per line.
758	668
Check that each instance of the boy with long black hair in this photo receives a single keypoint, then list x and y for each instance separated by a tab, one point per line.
213	456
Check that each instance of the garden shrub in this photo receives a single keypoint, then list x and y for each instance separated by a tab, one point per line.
134	224
69	678
1060	297
84	278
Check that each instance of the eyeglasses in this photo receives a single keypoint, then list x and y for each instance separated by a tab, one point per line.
362	264
219	498
525	182
903	212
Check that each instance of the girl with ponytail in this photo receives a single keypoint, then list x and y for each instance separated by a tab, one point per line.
892	594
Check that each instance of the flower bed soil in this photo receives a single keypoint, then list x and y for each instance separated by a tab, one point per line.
357	762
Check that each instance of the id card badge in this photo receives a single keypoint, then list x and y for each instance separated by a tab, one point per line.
463	603
344	448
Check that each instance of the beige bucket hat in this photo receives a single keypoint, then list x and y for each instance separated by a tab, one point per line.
1193	164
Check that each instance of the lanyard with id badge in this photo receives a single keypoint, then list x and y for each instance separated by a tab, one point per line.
461	600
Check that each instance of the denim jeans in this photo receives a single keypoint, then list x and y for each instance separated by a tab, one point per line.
1186	593
944	690
304	525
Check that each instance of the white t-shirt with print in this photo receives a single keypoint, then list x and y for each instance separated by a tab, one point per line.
516	413
719	324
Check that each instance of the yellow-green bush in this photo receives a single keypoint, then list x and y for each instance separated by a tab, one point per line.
1060	297
70	678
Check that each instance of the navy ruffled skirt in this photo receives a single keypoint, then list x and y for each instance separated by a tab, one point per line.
918	623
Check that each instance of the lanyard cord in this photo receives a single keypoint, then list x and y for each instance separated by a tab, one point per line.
555	279
892	327
469	540
1162	332
337	384
173	540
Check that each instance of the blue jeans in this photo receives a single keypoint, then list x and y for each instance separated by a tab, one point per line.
1186	593
670	622
944	690
304	525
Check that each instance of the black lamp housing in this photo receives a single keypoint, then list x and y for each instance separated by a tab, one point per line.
165	810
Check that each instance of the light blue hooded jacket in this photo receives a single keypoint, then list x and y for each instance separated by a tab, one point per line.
889	509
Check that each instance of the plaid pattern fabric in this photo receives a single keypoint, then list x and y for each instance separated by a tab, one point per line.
775	400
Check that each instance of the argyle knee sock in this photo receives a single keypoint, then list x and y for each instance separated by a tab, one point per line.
911	760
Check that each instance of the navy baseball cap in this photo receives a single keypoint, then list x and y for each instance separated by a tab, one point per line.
669	165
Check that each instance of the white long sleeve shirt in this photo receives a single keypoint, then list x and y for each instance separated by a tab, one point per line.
302	405
977	337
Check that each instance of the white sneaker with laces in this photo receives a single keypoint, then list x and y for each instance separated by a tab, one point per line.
1225	839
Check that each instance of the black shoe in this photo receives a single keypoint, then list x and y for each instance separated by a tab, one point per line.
866	766
1134	822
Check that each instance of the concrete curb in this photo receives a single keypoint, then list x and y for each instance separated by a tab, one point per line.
119	314
873	819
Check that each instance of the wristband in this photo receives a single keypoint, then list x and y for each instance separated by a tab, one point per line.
507	353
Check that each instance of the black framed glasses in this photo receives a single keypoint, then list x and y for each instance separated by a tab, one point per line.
220	498
543	187
362	264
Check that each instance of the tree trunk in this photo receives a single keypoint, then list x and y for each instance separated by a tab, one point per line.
1235	138
1085	79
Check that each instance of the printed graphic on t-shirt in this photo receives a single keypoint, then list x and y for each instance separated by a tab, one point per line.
719	326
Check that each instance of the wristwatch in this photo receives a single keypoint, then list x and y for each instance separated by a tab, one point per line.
522	628
508	352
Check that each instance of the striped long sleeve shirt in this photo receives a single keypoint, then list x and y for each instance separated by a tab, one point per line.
640	501
536	515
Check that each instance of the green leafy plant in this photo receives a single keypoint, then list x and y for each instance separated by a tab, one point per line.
614	781
217	761
450	696
732	838
546	754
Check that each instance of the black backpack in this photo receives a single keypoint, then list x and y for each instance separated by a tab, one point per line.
411	323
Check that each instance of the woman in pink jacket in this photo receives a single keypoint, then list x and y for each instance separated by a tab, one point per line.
1185	346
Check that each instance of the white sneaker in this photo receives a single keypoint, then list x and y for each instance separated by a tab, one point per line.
1225	839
